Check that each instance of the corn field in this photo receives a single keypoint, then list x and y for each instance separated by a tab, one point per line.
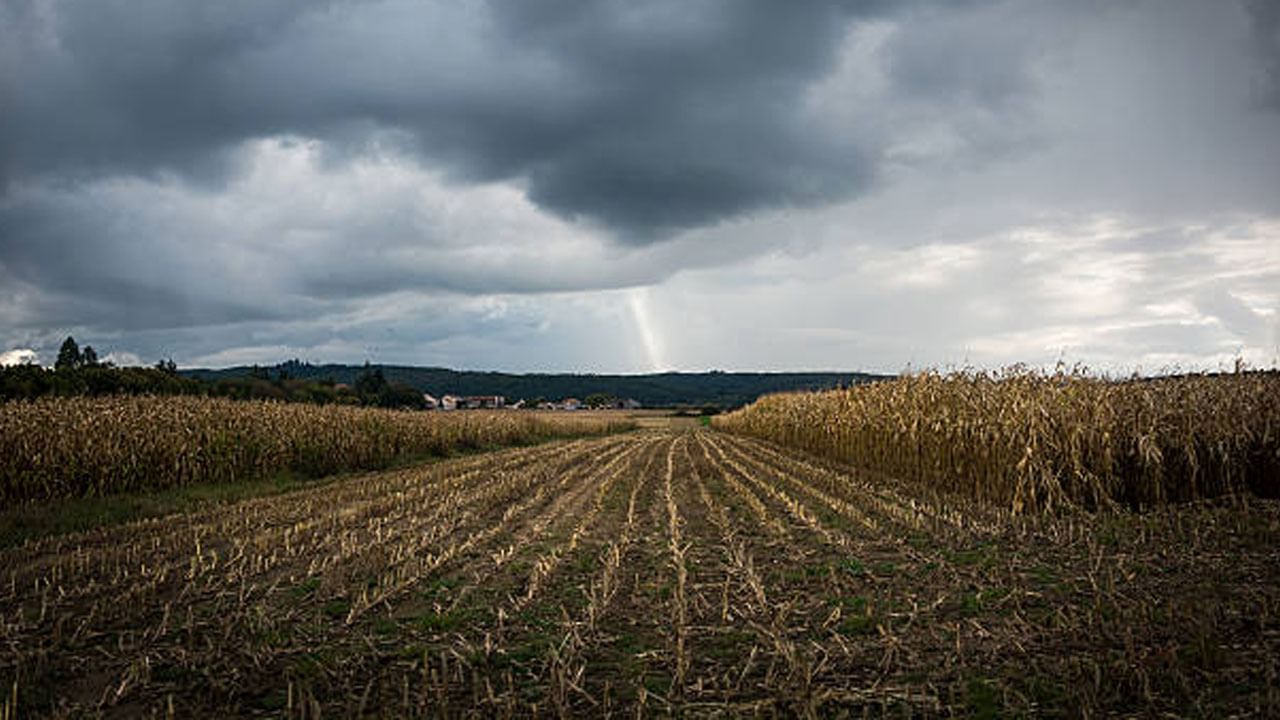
72	447
1029	441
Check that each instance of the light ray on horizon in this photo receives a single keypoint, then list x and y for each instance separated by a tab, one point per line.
646	327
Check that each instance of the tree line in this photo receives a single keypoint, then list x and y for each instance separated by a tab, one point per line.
81	372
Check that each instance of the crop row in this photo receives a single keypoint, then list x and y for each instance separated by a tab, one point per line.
651	573
1029	441
71	447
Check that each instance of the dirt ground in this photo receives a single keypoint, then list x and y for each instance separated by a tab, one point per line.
667	571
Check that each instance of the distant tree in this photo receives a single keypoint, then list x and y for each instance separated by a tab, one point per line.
399	395
370	384
293	368
167	366
599	400
89	357
69	357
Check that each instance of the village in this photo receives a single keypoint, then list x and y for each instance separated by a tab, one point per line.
498	402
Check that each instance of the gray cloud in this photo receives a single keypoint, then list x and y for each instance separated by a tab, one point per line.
1266	32
647	119
444	182
1238	318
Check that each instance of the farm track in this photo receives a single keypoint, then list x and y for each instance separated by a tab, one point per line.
655	572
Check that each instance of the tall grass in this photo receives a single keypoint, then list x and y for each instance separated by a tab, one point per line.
72	447
1032	441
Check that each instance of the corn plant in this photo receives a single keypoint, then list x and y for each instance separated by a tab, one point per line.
1031	441
67	447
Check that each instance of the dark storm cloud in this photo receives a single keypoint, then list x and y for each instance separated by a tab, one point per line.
121	87
681	128
92	262
646	117
1266	26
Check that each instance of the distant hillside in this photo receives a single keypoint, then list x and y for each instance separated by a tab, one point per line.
723	389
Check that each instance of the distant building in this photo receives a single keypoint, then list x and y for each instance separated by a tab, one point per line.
628	404
570	404
482	402
449	402
430	401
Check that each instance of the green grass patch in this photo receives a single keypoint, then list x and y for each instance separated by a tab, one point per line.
336	609
413	651
855	625
728	643
31	521
657	684
530	651
851	604
853	566
981	556
310	665
857	618
586	563
920	542
273	701
452	620
629	644
1045	576
305	588
805	572
271	638
439	588
538	620
982	701
438	622
1046	692
974	603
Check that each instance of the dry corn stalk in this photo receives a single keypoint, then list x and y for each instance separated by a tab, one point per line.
68	447
1031	441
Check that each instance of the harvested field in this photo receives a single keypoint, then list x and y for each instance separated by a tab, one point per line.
652	573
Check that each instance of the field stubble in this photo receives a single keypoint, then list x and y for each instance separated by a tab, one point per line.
657	572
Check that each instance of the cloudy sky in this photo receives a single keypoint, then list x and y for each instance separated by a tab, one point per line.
622	186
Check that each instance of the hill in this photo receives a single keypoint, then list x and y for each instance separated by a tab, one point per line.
671	389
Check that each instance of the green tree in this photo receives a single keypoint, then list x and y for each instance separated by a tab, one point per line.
89	357
599	400
399	395
69	357
370	384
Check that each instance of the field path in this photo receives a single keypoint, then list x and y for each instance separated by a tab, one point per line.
666	571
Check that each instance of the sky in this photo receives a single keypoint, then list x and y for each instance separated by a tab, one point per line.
621	186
